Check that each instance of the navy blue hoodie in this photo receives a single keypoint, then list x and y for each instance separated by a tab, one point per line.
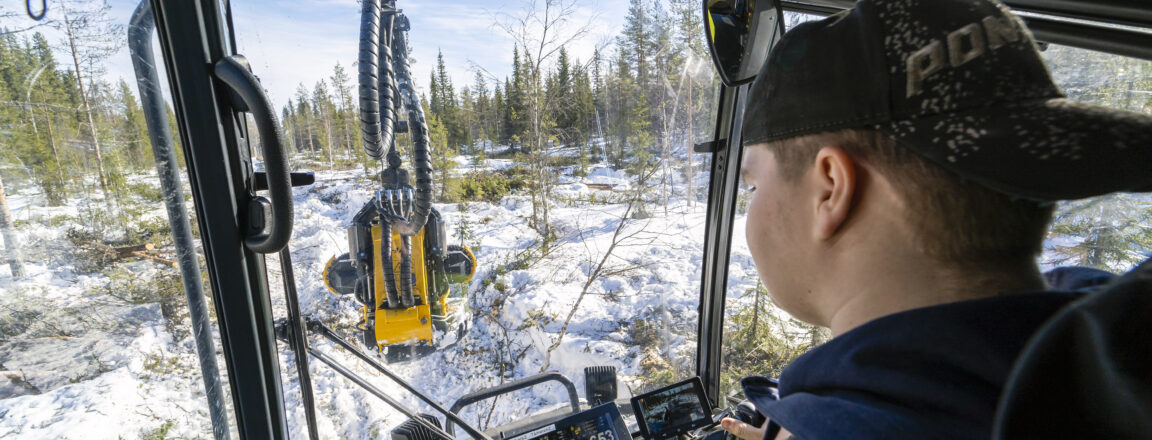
934	372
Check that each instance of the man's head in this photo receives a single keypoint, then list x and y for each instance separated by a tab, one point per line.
828	204
953	220
923	137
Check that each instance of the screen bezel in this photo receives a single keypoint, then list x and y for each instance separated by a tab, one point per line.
697	387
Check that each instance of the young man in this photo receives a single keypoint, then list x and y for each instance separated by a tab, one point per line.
905	156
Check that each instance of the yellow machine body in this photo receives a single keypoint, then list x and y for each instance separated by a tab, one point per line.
401	325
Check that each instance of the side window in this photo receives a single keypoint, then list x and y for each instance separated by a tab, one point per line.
96	336
1108	232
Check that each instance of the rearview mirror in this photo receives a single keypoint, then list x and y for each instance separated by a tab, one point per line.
740	34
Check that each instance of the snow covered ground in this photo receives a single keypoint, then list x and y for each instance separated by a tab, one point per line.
89	353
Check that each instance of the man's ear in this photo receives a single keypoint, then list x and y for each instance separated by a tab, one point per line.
834	177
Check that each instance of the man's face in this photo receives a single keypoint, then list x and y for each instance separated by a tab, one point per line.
775	229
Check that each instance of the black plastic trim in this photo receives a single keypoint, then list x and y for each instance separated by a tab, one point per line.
1126	12
722	193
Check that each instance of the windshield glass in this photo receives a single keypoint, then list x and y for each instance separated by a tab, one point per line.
561	162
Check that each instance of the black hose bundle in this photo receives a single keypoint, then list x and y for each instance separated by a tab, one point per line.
368	64
385	81
418	127
386	87
390	294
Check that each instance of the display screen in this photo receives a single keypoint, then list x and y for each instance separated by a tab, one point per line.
672	410
600	423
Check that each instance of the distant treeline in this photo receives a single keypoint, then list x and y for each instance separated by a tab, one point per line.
65	126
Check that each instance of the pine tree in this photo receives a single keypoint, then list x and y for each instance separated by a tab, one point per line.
691	30
305	119
28	74
599	105
466	118
324	108
346	114
90	38
288	122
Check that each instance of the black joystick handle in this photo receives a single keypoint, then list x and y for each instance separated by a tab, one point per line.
747	413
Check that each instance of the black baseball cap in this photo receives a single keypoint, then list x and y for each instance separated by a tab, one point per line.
961	83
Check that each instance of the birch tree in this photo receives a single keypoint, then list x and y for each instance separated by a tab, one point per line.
542	28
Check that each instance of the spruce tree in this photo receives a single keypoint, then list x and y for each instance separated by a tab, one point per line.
482	111
134	131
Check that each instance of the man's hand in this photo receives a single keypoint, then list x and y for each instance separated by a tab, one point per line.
743	430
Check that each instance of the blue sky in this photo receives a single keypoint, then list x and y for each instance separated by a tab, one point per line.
293	42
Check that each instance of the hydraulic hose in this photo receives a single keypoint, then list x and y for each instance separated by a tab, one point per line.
386	87
406	299
386	262
418	127
368	63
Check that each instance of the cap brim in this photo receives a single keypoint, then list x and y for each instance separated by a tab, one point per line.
1053	149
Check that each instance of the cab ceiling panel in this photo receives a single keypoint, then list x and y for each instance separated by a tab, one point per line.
1126	12
1094	29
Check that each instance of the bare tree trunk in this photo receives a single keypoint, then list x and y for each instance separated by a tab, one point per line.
311	146
53	200
348	138
55	151
328	136
688	140
666	154
11	246
87	107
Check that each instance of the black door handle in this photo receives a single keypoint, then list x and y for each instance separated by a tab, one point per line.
265	235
